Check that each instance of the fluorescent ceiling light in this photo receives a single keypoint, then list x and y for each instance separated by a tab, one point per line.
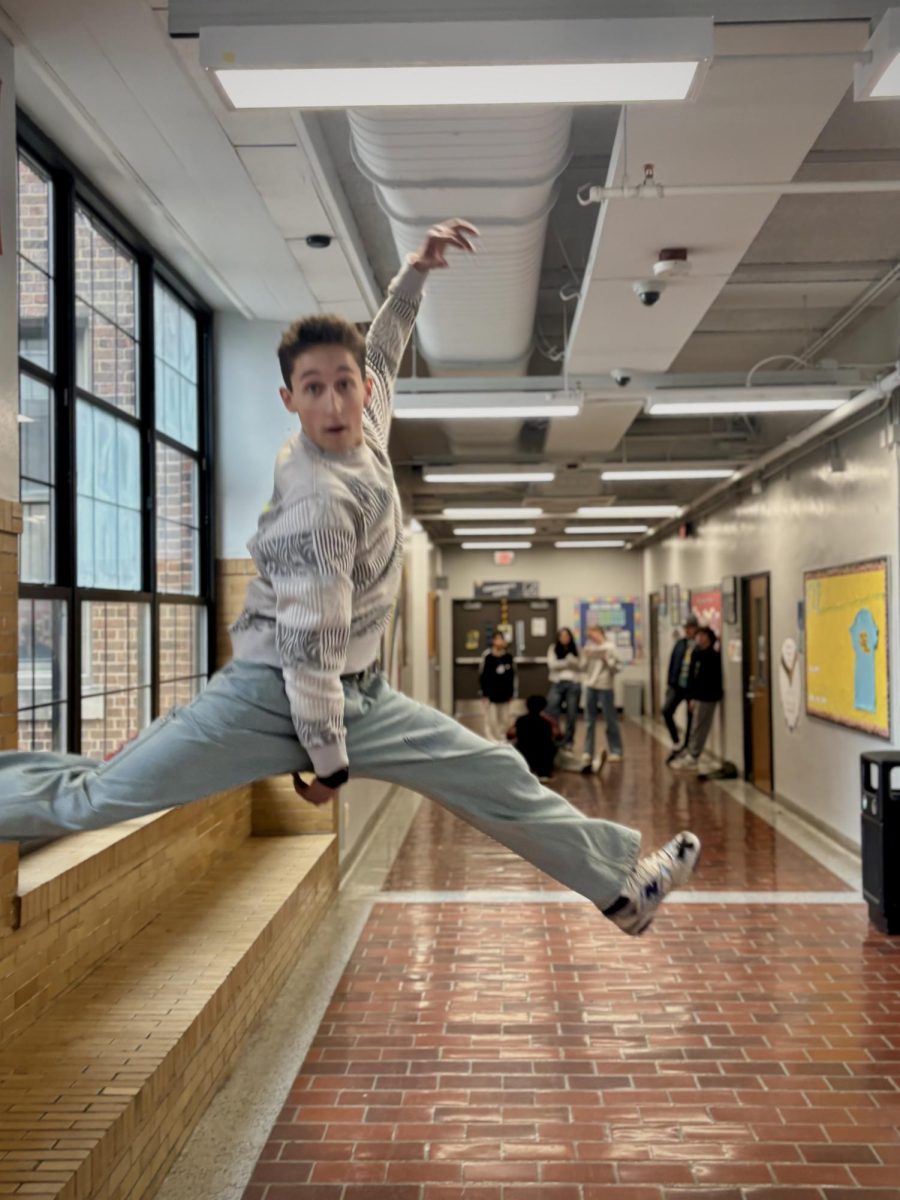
480	406
879	77
496	545
494	531
626	476
421	64
631	510
438	476
693	402
493	514
590	545
606	529
404	87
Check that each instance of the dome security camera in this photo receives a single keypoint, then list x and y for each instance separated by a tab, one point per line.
620	377
319	241
648	291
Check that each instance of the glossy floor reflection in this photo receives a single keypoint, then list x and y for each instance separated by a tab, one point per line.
529	1051
741	852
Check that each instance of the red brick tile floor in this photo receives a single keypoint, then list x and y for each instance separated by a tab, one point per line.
531	1052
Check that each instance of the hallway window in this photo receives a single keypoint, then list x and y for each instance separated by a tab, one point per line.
34	263
116	554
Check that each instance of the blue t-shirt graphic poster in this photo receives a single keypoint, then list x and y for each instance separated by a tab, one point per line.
864	632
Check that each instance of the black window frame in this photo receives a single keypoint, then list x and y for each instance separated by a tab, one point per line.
71	188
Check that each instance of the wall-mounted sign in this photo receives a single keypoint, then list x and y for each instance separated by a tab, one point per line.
508	590
619	617
706	604
846	616
789	682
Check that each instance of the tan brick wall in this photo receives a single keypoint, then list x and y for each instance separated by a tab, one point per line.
106	1088
87	895
232	577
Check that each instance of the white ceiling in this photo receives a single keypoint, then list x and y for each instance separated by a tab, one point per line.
231	197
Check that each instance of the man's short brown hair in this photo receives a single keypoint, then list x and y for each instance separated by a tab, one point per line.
323	329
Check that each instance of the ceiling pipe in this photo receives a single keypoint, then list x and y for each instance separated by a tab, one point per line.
650	190
601	386
790	449
855	310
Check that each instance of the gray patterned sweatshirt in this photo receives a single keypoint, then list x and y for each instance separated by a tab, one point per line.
329	551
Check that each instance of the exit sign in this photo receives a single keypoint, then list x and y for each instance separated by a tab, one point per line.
504	558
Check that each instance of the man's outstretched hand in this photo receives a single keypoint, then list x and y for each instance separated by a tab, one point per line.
433	254
315	792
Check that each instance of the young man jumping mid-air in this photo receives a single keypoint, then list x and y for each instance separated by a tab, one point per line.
302	693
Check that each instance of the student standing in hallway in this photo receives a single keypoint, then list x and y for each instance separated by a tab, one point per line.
704	693
601	665
303	693
679	674
497	680
564	665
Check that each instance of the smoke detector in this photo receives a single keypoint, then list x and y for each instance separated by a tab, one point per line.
671	263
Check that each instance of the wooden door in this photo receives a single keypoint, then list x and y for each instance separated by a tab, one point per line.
434	649
654	655
757	673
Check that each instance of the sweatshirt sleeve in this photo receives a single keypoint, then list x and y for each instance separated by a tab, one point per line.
552	664
386	342
308	557
482	674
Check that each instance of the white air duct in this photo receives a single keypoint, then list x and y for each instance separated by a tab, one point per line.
496	168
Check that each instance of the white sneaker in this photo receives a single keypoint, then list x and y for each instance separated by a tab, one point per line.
685	762
599	762
614	757
651	881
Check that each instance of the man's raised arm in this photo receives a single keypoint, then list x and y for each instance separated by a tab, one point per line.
393	324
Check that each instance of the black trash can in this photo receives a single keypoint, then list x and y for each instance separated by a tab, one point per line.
880	803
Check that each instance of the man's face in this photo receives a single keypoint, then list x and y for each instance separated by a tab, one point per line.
703	641
328	394
690	631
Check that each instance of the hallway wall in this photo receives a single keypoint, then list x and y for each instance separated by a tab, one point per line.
567	576
810	517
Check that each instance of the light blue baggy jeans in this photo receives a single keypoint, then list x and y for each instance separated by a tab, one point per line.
598	699
240	729
565	693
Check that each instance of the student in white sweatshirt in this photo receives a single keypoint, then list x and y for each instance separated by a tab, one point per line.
601	665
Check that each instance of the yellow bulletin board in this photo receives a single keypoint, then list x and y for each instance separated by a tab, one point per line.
846	618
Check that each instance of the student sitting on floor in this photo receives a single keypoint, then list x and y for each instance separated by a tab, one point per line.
535	736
